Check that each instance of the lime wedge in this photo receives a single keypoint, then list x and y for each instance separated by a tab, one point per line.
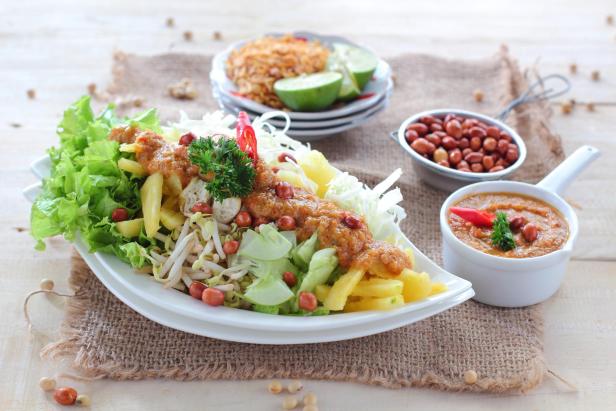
360	62
310	92
349	89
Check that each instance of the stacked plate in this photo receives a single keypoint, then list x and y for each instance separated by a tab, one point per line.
307	126
182	312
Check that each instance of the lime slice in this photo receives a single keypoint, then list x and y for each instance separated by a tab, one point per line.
310	92
360	62
349	89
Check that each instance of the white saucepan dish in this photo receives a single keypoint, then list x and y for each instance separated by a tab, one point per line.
513	282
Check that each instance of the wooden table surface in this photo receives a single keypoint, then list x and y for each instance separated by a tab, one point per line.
58	47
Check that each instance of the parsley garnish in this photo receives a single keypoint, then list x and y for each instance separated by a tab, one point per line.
230	170
502	237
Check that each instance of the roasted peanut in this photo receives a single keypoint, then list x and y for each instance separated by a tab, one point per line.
475	143
473	158
463	164
502	146
477	132
436	127
411	135
493	132
455	156
466	151
449	143
517	222
454	128
444	163
489	144
423	146
463	143
496	168
512	154
434	139
488	162
476	168
440	154
530	232
420	128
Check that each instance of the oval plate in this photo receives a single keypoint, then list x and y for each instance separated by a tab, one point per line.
178	310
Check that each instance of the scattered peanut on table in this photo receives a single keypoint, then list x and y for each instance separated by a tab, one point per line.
470	377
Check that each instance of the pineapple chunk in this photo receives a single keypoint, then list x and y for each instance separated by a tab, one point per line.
322	291
296	180
380	270
438	288
130	228
171	219
132	167
342	288
367	303
151	197
378	287
417	286
318	169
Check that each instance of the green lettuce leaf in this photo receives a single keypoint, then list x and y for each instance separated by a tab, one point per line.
85	184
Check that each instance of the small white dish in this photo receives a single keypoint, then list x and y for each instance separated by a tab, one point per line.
375	89
516	282
450	179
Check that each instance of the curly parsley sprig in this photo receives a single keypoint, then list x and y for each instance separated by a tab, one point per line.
230	170
502	237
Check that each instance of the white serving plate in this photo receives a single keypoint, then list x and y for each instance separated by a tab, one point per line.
178	310
377	87
255	336
314	134
229	106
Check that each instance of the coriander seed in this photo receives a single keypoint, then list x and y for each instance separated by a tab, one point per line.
295	386
595	75
590	106
83	400
470	377
47	383
566	107
478	95
289	403
188	35
31	94
310	399
46	284
170	22
274	387
217	35
573	68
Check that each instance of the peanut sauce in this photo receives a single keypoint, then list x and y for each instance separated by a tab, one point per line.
553	230
354	246
157	155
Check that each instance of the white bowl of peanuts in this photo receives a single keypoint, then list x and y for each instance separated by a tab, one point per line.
451	148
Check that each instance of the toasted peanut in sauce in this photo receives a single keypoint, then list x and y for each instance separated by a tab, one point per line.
552	228
354	246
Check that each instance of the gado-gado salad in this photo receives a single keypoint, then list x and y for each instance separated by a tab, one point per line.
238	216
299	74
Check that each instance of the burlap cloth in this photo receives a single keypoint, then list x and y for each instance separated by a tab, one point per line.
504	346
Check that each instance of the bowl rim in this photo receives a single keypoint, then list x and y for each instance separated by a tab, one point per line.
453	173
514	263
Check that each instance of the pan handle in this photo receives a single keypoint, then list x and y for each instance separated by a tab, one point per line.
394	136
567	171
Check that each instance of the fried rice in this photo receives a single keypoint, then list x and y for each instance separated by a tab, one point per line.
256	66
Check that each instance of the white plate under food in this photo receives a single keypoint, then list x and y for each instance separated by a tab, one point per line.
229	106
178	310
373	91
257	336
314	134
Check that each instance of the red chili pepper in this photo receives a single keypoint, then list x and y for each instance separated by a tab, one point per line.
476	217
246	138
365	96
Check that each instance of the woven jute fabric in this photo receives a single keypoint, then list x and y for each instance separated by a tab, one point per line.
504	346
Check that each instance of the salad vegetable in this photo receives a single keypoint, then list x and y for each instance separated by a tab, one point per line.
271	227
